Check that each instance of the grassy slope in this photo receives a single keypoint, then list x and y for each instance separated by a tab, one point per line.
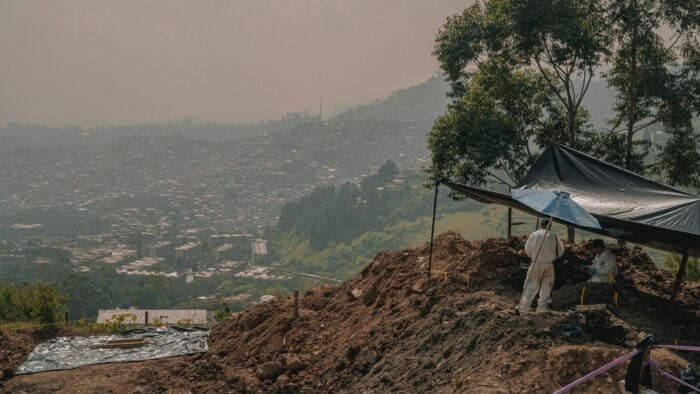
344	261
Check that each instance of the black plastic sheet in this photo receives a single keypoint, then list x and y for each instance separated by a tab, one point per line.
73	352
628	206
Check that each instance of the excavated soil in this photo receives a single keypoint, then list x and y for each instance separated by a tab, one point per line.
394	329
14	348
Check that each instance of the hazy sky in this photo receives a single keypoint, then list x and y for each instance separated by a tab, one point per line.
113	62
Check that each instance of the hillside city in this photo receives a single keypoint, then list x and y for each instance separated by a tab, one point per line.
178	207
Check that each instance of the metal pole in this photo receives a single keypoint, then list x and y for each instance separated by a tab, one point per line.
432	229
679	275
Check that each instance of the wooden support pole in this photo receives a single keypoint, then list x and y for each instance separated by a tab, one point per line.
65	317
679	275
296	303
570	235
510	224
145	318
432	229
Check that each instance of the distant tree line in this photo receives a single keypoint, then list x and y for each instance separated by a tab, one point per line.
331	214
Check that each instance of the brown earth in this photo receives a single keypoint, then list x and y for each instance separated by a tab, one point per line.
14	348
394	329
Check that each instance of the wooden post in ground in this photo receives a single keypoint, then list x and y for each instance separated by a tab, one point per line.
65	317
679	275
570	235
510	224
296	303
432	229
145	319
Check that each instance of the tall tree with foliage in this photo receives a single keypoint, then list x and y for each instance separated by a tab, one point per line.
656	83
518	72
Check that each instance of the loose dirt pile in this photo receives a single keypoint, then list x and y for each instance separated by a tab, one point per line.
394	329
14	348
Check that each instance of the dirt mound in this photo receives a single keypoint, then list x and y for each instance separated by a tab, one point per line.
393	328
15	346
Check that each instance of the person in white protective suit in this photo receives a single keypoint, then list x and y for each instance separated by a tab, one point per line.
604	268
543	247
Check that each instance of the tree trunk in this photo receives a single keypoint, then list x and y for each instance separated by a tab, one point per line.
632	92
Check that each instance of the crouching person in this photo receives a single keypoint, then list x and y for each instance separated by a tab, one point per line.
604	268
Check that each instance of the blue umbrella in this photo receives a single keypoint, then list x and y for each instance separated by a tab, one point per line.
557	205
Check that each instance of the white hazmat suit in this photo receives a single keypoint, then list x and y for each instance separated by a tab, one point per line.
604	268
540	275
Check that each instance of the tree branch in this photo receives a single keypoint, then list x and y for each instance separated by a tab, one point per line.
500	161
549	82
499	179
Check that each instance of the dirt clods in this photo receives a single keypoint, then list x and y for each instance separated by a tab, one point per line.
393	328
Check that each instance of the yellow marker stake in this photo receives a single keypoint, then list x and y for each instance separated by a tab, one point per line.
583	292
445	275
616	298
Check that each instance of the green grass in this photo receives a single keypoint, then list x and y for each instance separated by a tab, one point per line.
343	261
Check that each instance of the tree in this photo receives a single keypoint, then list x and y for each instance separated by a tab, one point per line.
223	312
519	69
656	83
387	172
512	65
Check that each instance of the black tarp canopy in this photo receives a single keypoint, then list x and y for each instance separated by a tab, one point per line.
628	206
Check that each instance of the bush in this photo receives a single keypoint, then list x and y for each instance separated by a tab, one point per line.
223	312
692	269
39	302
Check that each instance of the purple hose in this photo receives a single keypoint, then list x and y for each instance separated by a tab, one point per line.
622	359
677	347
603	369
668	375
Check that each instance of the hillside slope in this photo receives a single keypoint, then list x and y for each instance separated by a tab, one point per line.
392	328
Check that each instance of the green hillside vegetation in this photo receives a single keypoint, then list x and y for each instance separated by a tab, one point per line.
335	231
330	234
36	302
343	260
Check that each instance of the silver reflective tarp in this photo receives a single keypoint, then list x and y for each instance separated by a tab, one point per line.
72	352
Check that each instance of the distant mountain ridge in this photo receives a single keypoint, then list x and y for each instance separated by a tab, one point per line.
421	103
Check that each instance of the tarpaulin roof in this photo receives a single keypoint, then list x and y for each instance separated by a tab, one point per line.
628	206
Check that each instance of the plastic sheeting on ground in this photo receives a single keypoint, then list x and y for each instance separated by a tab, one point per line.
73	352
